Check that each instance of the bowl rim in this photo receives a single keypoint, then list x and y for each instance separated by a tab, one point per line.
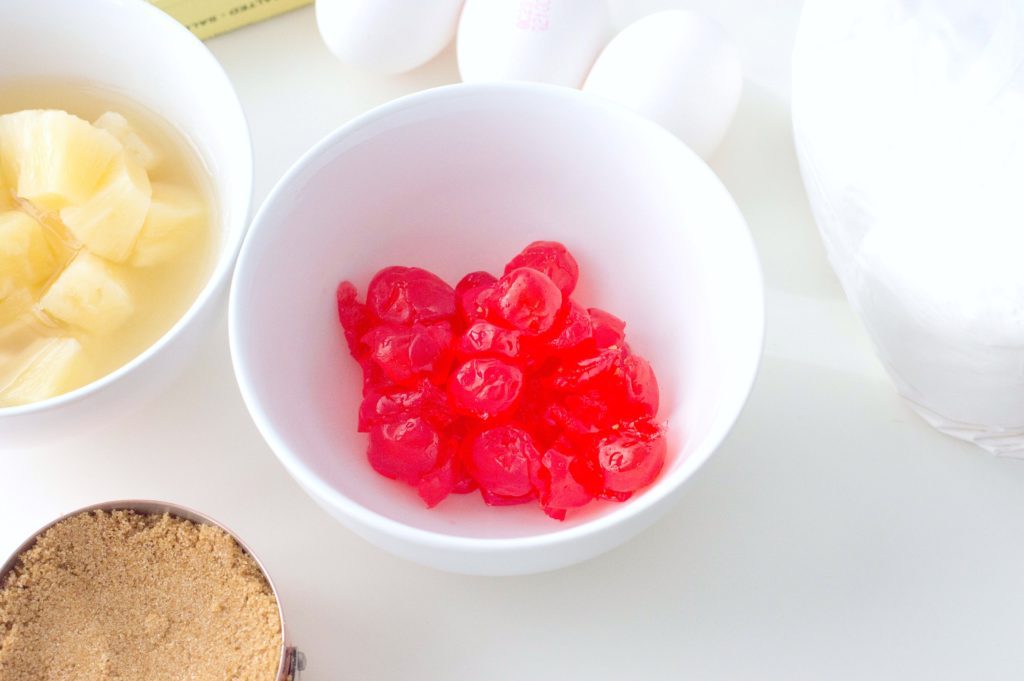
314	485
221	272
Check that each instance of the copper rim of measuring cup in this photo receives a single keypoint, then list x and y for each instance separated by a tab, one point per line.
292	660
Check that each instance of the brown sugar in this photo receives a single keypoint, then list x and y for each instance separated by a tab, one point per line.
124	596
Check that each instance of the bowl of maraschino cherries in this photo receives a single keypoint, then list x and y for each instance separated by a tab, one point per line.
495	328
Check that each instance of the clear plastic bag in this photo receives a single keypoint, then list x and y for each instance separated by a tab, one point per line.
908	119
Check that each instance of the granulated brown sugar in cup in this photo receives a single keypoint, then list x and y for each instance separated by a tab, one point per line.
126	595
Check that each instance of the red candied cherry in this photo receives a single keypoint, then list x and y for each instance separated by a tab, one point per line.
572	328
405	450
590	475
626	380
503	461
374	378
531	414
559	487
585	368
581	414
630	458
450	477
640	385
609	330
423	399
406	295
585	470
436	485
629	389
354	317
485	388
551	258
406	353
528	300
368	409
473	295
484	338
474	280
608	387
560	421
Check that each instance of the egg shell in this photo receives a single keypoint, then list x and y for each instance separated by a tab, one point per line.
387	36
546	41
678	68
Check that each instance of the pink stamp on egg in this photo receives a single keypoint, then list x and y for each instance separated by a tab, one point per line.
534	15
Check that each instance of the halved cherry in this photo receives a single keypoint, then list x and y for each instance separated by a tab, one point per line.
551	258
559	488
448	478
406	295
422	399
436	485
407	353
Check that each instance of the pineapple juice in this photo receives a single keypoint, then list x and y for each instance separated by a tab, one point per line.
71	337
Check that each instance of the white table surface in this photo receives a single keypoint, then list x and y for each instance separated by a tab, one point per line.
833	536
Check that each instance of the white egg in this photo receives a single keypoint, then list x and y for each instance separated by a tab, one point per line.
548	41
677	68
387	36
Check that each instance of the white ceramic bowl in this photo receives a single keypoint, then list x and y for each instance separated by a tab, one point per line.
457	179
136	51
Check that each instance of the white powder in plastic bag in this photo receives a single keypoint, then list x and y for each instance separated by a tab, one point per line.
909	124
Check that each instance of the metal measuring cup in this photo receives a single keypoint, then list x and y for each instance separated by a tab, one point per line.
292	660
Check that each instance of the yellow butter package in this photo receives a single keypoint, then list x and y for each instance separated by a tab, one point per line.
207	18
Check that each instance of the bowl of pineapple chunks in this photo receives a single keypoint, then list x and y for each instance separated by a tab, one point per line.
124	198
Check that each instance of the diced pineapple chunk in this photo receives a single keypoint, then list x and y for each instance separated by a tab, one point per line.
20	327
14	305
52	158
6	195
57	366
25	255
174	221
109	223
88	295
117	125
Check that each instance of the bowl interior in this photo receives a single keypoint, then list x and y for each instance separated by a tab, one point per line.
460	179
